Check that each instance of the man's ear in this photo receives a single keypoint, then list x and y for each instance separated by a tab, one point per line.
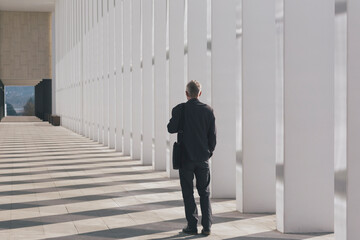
200	93
187	94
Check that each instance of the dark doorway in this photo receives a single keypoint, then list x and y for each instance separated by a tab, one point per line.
43	99
2	100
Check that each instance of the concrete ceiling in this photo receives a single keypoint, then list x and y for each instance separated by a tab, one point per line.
27	5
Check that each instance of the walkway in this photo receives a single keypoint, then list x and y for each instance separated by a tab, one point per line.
21	119
55	184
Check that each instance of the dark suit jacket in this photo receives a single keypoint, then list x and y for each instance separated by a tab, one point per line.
199	137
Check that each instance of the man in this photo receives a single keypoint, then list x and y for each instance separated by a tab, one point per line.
199	140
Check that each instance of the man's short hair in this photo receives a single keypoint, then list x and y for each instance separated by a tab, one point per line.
193	88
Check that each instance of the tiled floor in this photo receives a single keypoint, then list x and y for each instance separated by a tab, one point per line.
20	119
55	184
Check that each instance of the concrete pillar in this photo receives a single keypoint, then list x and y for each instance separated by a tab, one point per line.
160	87
111	50
176	66
85	31
126	76
223	98
81	65
347	118
53	61
353	119
305	171
93	71
197	46
147	82
97	47
100	46
256	190
85	71
72	64
136	79
119	74
105	30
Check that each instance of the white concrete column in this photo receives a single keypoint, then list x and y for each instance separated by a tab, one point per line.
77	70
53	61
73	69
223	58
160	88
347	118
147	82
136	79
305	173
126	76
101	71
93	70
86	59
176	67
86	62
105	30
119	74
97	48
85	73
353	120
112	100
85	108
197	45
80	65
257	186
90	71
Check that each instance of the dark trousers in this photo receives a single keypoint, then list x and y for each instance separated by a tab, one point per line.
202	173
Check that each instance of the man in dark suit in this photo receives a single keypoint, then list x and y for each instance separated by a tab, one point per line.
199	140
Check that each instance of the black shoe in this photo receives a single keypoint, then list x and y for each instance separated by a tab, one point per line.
191	231
205	232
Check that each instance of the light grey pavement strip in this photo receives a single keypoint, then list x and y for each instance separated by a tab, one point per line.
20	119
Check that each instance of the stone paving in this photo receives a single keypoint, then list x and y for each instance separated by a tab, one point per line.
20	119
55	184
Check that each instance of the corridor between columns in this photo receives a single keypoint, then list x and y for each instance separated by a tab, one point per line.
56	184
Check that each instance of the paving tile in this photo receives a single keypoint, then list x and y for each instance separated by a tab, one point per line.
90	225
67	228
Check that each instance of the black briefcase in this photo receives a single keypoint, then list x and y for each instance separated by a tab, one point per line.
178	147
177	155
